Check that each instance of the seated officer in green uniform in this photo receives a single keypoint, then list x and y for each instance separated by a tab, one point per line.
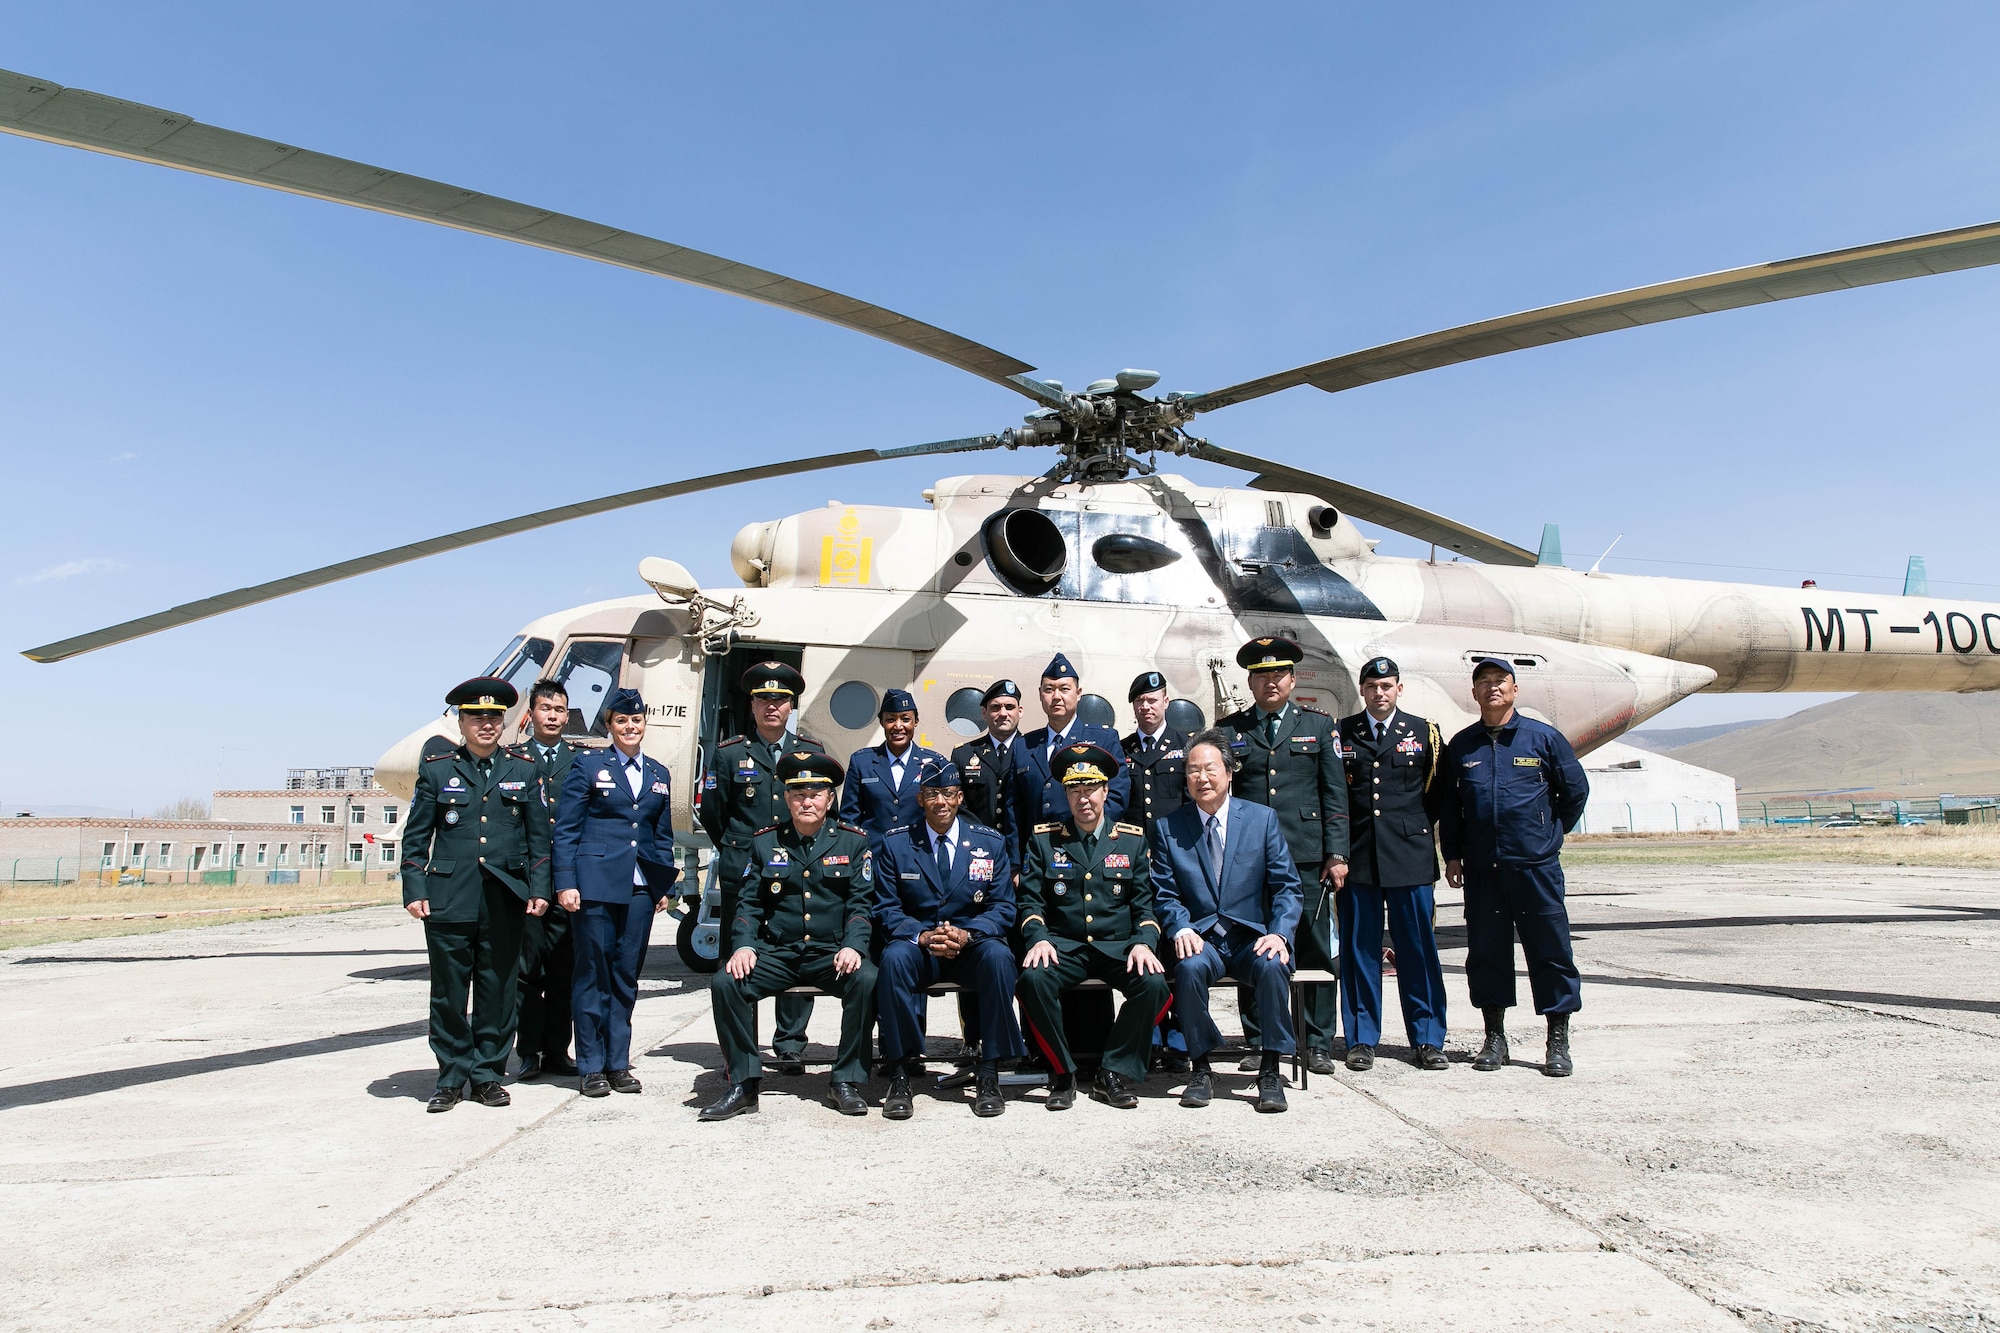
803	916
475	868
1086	904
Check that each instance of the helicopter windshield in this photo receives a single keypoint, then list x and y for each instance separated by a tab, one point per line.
520	663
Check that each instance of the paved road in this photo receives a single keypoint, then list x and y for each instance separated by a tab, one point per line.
1784	1118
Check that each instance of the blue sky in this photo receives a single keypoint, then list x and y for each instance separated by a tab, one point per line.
206	385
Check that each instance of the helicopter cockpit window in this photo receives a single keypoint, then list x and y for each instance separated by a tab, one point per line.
520	665
1185	715
853	705
589	672
962	711
1096	710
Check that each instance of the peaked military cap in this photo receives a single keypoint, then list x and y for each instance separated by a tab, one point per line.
483	694
809	768
773	678
626	701
1145	683
1380	668
1000	689
1272	653
896	701
1059	668
1076	765
938	773
1497	663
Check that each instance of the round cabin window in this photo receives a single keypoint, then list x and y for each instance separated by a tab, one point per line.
962	712
1096	710
853	705
1184	715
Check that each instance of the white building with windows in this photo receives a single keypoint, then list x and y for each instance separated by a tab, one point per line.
1638	791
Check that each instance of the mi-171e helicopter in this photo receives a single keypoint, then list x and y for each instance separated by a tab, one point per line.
1102	556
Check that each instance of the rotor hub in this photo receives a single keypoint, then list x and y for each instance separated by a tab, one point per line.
1102	431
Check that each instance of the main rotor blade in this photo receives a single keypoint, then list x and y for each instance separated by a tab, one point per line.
1836	270
347	569
1372	508
39	109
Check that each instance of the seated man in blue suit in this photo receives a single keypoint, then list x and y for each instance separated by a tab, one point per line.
881	790
944	901
1229	899
1037	797
614	865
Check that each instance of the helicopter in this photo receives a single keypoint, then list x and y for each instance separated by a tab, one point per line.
1103	555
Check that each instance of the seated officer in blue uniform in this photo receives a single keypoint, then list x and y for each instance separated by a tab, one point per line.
1230	901
881	790
1509	787
1037	797
944	902
1391	759
614	866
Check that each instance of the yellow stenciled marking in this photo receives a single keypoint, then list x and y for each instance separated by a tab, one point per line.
846	558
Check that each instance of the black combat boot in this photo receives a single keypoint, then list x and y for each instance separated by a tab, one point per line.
1556	1063
1493	1055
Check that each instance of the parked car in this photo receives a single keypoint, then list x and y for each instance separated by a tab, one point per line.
1840	821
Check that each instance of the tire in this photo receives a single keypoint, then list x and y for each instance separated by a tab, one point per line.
685	946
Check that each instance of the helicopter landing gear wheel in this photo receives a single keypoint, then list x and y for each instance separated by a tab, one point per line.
699	943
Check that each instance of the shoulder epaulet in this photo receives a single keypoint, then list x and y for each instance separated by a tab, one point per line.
768	828
1128	828
978	827
733	740
441	754
1049	827
853	828
799	738
1308	708
900	828
518	750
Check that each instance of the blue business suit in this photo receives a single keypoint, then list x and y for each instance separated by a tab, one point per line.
871	801
603	834
1037	797
912	897
1257	894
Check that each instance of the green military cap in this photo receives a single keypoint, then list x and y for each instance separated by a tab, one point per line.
773	678
806	768
1083	763
483	694
1272	653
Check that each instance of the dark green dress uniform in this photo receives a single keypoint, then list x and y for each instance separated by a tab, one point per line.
477	846
803	900
1091	896
1291	762
548	964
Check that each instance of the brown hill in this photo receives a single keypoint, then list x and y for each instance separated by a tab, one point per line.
1897	745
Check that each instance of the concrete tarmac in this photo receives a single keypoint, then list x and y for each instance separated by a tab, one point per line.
1784	1117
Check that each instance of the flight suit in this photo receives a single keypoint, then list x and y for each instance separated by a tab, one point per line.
1091	896
1392	865
1297	772
985	774
477	846
548	963
740	794
802	901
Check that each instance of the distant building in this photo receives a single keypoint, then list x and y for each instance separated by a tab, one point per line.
1638	791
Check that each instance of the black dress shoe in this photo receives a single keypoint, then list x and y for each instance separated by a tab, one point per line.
1062	1092
899	1104
1270	1090
596	1085
1430	1057
444	1099
987	1101
786	1063
741	1099
490	1094
530	1070
1114	1090
846	1098
621	1080
557	1067
1321	1062
1200	1088
1556	1063
1359	1058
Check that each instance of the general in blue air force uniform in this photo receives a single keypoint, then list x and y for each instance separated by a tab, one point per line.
1037	796
944	904
1392	760
614	855
881	788
475	867
1509	788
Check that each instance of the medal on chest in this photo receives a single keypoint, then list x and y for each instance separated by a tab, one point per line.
451	817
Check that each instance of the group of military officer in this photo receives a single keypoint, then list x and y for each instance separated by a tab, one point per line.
1022	866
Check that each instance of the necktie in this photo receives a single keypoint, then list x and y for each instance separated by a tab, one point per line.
943	850
1379	729
1149	744
1211	847
1271	729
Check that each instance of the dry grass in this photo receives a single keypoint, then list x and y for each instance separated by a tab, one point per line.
139	909
1931	845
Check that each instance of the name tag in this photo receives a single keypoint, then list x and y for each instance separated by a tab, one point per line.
1117	861
660	788
912	874
1523	761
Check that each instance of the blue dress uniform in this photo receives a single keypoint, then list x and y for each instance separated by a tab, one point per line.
1505	798
1392	864
986	766
873	797
1291	763
476	848
968	882
1090	896
740	794
614	844
1037	794
548	964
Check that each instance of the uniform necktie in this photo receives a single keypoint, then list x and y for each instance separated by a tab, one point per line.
1271	729
1149	744
943	850
1211	847
1379	728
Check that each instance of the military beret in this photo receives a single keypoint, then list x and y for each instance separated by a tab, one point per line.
1275	653
1497	663
938	773
1082	763
625	701
1059	669
1145	683
809	768
483	694
896	701
1000	689
1380	668
773	678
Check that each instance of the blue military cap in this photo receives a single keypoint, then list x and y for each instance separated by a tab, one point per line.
1000	689
625	701
938	773
896	701
1145	683
1059	668
1497	663
1380	668
1082	763
483	694
809	768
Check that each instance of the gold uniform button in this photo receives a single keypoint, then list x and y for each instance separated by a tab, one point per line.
635	842
1088	898
1086	874
809	874
1274	791
808	937
482	819
1090	939
482	840
809	916
1088	919
1378	763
